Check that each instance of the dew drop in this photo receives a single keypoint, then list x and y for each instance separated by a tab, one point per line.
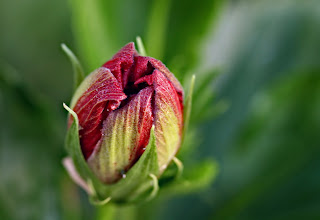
123	174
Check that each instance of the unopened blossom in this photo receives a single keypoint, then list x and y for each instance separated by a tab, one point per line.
117	105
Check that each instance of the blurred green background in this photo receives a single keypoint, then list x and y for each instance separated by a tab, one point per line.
256	107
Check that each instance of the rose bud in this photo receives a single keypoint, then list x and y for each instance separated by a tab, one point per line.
117	105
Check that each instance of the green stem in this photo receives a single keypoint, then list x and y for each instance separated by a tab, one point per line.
116	212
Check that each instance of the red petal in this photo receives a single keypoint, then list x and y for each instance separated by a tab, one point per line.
121	63
157	64
141	67
167	119
128	49
103	94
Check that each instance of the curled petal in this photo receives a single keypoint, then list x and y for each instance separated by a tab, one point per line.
167	119
141	68
157	64
100	96
126	134
121	63
127	50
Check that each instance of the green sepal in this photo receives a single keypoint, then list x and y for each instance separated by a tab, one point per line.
72	144
141	48
138	185
179	166
78	73
187	107
155	185
140	182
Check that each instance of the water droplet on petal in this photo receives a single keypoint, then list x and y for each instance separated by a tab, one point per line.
123	174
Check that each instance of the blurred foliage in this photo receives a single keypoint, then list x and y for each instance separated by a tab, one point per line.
171	29
256	103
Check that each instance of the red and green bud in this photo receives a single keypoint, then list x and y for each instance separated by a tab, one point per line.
118	104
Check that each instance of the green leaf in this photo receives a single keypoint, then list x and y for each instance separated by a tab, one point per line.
91	30
188	24
172	30
78	74
157	28
101	27
205	105
194	179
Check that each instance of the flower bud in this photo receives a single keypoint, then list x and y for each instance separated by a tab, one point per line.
117	105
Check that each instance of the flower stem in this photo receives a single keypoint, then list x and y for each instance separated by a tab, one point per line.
116	212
